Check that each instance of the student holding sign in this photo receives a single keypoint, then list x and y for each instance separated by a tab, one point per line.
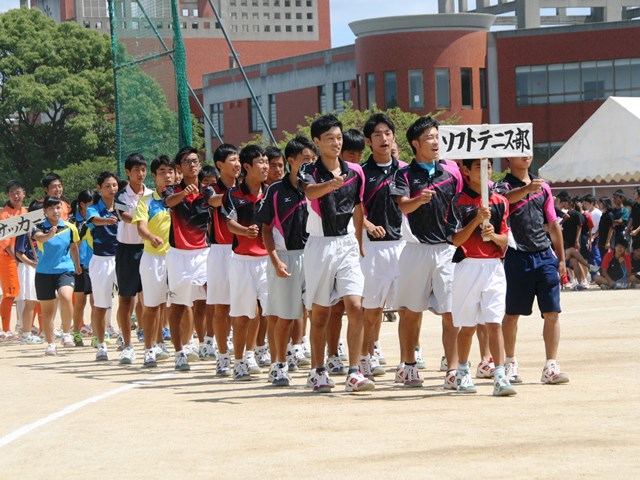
8	265
532	268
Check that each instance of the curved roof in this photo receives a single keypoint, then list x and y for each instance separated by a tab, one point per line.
407	23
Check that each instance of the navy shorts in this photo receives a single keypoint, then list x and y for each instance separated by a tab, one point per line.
83	282
531	275
47	284
128	269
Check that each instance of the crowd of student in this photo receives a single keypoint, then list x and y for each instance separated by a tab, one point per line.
240	252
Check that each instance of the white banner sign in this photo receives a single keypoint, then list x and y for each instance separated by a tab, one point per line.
14	226
486	141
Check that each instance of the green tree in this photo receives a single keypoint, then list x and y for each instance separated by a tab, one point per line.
57	87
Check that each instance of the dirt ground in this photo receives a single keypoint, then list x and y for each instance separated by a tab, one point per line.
69	417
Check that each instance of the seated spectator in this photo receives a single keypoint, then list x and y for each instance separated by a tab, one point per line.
616	268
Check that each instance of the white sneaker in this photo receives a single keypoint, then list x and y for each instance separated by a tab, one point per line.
241	371
150	358
306	347
51	349
120	343
112	331
252	365
301	359
127	356
101	353
191	351
230	345
450	380
376	368
377	353
502	387
207	351
552	375
31	339
264	357
342	352
512	372
464	384
400	373
67	340
356	382
335	365
310	379
292	361
365	367
419	359
161	351
182	362
444	365
223	366
485	369
319	381
411	376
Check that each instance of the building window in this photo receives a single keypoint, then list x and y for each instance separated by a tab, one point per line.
322	99
287	3
309	16
298	3
298	16
466	90
483	88
341	95
287	16
273	117
542	152
217	117
309	28
288	28
255	118
277	28
390	90
371	90
443	96
416	89
309	3
276	16
298	28
267	28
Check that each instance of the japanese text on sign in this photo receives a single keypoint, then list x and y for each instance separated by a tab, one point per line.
14	226
486	141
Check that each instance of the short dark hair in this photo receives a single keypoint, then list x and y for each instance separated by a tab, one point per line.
618	193
589	198
564	196
183	152
223	151
375	119
49	178
352	140
105	176
606	202
134	160
249	153
161	161
51	201
12	185
273	152
296	146
419	126
207	170
323	124
468	162
623	242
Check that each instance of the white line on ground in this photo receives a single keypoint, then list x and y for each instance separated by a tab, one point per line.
13	436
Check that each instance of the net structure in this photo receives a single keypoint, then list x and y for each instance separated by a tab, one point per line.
152	96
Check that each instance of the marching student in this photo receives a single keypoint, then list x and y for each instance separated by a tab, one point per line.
52	185
479	283
248	264
58	261
533	268
332	253
283	215
153	220
424	191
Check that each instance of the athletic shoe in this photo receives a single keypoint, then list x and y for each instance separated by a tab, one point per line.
166	334
41	334
252	365
57	332
264	357
444	365
281	379
292	361
377	352
376	368
552	375
191	351
310	377
150	358
207	351
107	338
356	382
230	344
335	365
127	356
182	363
112	331
86	330
464	384
411	376
306	347
512	373
319	382
365	367
94	341
502	387
301	359
419	359
67	340
485	369
223	366
241	371
450	380
101	354
31	339
162	352
342	352
34	331
134	322
140	334
9	335
594	268
400	373
51	349
120	343
77	339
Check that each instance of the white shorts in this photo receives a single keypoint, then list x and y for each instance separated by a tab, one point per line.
186	274
380	267
248	282
479	292
218	291
331	270
286	294
27	279
153	274
426	275
102	272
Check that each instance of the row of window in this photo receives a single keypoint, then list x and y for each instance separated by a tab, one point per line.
270	3
416	88
577	82
268	29
267	16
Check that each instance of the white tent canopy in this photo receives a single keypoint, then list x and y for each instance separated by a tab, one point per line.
606	148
